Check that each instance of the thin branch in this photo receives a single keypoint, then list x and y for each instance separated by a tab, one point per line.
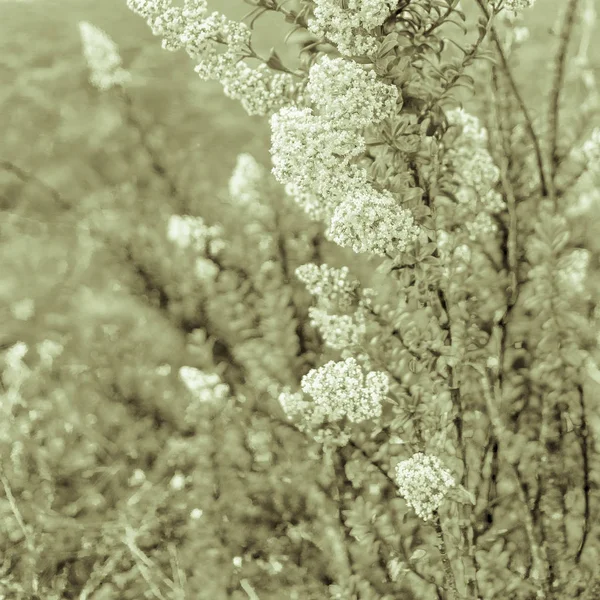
585	456
448	572
558	82
546	183
27	177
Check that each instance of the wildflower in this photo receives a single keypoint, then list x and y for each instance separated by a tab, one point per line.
516	6
247	180
482	225
196	514
24	309
333	287
260	91
103	58
190	232
308	151
423	482
344	91
342	389
48	350
177	482
205	387
349	27
339	331
372	222
572	271
591	150
205	269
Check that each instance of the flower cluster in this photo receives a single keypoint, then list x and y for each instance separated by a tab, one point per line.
342	389
309	151
342	89
314	157
246	181
204	388
186	231
339	332
423	482
591	151
473	174
516	6
103	58
333	287
572	271
349	27
372	221
219	46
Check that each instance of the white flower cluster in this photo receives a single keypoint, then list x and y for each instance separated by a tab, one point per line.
246	180
342	89
103	58
48	351
15	374
342	308
573	270
219	45
591	151
333	287
340	332
314	157
186	231
310	151
423	482
204	387
516	6
372	221
342	389
349	25
474	173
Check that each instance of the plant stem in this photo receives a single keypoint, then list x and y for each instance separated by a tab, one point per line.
558	81
448	572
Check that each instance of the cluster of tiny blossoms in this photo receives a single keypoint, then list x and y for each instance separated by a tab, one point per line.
573	270
516	6
204	388
423	482
103	58
474	173
341	311
314	157
342	89
350	27
333	287
591	151
186	231
219	46
339	390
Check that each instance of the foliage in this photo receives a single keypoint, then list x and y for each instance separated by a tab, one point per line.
370	374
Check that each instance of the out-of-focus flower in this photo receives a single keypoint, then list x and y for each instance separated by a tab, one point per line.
333	287
24	309
516	6
103	58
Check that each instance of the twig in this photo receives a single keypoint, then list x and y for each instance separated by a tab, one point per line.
448	572
26	177
558	81
547	186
